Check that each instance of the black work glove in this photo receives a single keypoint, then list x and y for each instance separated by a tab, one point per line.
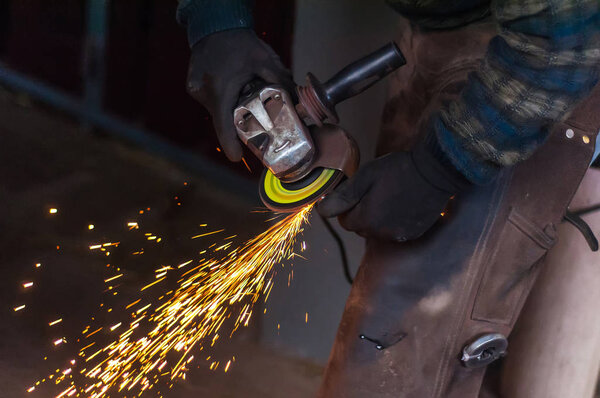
397	197
220	66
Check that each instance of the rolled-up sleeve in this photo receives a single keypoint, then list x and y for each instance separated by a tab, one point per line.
203	17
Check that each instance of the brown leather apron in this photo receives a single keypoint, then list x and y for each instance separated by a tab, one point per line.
419	313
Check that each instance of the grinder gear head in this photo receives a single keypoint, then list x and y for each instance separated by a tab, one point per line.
268	124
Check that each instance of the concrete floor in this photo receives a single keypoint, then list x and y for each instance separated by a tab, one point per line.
47	161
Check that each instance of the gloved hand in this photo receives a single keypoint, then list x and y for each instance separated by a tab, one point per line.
220	66
397	197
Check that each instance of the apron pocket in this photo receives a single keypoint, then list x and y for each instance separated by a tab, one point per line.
510	270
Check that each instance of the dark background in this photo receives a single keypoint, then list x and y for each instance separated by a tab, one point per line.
146	60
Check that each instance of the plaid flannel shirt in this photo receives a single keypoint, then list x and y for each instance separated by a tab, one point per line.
545	59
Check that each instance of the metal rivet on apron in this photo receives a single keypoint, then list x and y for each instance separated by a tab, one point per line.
570	133
586	139
484	350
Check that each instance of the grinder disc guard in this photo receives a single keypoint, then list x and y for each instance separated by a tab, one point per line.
337	157
287	197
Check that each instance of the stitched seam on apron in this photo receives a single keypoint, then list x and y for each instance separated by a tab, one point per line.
461	311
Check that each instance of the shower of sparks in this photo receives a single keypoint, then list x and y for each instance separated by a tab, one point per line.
191	318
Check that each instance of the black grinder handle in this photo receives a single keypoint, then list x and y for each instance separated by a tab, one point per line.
363	73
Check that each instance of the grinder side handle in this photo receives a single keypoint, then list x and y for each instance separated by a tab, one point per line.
317	100
363	73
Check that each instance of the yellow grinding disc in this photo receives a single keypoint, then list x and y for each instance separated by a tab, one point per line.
287	197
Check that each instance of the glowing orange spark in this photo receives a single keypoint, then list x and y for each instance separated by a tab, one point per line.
246	164
115	326
151	284
93	333
208	233
112	278
132	304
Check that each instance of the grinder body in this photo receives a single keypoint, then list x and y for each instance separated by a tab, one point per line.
305	153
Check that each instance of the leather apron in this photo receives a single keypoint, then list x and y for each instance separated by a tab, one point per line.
425	318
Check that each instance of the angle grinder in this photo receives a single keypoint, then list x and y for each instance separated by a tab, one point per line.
296	136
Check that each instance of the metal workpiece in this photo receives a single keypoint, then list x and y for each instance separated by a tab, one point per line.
484	350
268	124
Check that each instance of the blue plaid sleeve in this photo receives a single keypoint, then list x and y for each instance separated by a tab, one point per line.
203	17
545	59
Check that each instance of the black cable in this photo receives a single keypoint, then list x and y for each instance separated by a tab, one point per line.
342	248
584	228
586	210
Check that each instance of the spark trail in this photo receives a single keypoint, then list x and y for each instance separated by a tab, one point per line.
192	317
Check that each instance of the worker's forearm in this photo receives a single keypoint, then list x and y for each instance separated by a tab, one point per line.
203	17
545	59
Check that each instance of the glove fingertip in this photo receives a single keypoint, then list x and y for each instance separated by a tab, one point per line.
333	205
325	209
